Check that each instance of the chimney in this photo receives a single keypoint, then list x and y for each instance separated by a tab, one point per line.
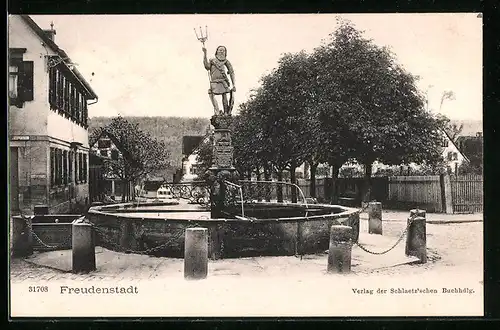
50	33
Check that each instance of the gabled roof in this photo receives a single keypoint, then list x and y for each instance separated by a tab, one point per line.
469	143
105	132
49	42
152	185
190	144
455	145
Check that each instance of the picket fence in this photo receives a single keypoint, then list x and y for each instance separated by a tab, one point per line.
467	193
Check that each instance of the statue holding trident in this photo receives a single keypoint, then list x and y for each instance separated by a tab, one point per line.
220	84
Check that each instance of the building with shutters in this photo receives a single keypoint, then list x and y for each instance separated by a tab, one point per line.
47	121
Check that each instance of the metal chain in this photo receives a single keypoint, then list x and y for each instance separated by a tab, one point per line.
39	240
105	237
58	246
395	244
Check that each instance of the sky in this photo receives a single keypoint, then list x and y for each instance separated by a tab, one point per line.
151	65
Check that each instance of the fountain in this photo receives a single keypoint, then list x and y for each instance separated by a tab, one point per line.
243	218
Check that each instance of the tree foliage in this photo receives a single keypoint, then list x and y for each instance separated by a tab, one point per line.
348	99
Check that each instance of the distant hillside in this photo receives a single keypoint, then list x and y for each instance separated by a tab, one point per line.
471	127
167	129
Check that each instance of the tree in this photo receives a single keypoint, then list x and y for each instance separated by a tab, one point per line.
140	154
375	103
278	117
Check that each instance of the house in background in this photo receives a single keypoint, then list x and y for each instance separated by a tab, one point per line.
47	121
190	145
106	147
472	148
452	155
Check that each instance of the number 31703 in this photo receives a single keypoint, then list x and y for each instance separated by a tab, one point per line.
38	288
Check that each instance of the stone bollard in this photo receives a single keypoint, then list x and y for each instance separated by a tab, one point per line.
375	218
339	253
22	239
196	253
83	247
416	238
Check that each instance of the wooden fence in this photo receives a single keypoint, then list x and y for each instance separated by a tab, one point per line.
415	192
431	193
467	193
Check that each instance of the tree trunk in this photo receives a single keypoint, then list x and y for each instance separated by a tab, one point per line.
368	184
258	173
312	186
267	173
293	179
267	188
124	190
279	187
334	193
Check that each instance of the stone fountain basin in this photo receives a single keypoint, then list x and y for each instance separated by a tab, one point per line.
268	229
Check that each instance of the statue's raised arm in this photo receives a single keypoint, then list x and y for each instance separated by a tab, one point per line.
205	61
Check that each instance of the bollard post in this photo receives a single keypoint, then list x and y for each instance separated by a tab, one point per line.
416	239
339	253
196	253
375	218
22	239
83	247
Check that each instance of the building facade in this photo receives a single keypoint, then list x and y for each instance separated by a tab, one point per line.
47	121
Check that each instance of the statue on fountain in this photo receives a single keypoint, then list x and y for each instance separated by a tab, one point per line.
220	84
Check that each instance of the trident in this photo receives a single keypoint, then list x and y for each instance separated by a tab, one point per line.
202	38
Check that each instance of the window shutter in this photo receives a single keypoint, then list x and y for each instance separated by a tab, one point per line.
26	81
52	88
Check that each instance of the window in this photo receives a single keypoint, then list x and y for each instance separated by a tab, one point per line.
66	108
60	91
13	81
455	156
70	167
53	88
85	168
85	112
20	78
52	167
444	143
66	96
104	153
65	167
103	144
82	167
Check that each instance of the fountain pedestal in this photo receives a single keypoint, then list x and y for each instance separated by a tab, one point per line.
222	168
